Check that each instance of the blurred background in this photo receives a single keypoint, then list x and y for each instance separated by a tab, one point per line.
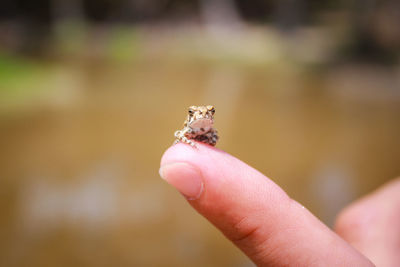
91	92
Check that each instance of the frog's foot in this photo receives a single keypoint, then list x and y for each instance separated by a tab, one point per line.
180	137
213	138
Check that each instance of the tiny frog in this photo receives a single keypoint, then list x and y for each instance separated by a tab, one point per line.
198	126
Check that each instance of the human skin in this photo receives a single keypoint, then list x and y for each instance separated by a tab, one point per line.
271	228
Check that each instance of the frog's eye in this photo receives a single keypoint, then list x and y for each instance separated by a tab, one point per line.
211	109
191	110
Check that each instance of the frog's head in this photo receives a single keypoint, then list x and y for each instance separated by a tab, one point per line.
201	117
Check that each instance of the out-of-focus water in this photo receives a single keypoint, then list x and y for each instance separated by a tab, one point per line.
79	161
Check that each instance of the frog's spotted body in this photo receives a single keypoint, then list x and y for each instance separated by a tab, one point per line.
198	126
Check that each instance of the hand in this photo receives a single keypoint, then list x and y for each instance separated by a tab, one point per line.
271	228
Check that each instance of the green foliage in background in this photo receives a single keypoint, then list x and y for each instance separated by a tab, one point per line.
21	79
123	45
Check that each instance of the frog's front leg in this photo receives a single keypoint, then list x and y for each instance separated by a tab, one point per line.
181	137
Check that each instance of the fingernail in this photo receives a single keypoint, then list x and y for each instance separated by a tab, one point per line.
186	178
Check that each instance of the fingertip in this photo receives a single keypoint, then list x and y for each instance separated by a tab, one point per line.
184	152
175	151
186	178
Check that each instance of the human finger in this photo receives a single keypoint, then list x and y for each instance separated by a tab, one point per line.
372	225
252	211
